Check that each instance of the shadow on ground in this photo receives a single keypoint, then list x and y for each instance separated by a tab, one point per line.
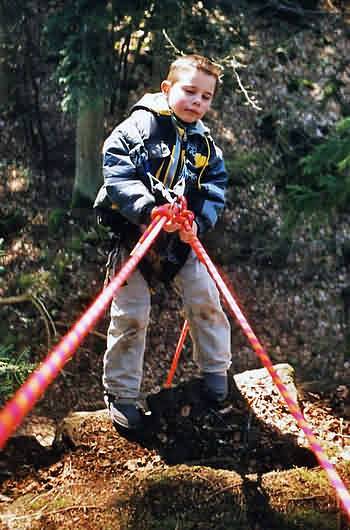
185	427
225	483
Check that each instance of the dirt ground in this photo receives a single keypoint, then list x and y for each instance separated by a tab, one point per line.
244	465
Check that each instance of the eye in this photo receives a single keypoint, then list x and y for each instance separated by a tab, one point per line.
206	97
189	90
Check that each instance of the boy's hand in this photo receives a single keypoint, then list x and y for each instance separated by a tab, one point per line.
171	226
188	235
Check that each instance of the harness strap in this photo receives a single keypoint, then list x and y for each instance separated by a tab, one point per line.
175	156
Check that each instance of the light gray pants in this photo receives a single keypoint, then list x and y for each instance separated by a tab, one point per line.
130	310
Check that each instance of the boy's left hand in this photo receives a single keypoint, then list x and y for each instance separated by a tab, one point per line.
188	235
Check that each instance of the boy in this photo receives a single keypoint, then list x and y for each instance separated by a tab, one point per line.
160	149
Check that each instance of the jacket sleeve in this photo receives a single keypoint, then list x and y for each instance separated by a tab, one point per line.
123	186
211	193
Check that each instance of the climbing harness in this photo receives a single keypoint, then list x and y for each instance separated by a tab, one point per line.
27	395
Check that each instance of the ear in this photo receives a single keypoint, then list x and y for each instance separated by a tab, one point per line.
165	86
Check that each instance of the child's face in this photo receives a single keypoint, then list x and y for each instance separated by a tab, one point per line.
191	95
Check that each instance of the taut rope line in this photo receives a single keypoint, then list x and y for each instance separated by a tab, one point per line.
29	393
293	407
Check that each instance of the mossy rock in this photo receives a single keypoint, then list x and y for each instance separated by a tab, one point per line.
187	498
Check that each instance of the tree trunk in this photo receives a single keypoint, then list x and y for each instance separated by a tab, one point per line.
89	137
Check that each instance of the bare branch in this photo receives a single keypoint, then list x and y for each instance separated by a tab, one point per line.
42	305
168	39
15	299
234	64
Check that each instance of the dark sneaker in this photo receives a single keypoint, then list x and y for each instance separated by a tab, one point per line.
124	413
216	386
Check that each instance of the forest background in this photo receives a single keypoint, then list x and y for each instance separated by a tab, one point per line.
69	71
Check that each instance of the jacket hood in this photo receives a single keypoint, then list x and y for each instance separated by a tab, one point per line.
158	104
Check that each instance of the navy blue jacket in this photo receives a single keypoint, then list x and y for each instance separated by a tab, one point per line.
145	144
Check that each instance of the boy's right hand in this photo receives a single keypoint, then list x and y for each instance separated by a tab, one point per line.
171	226
165	209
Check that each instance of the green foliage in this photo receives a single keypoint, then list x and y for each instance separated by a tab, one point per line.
55	221
38	283
78	37
324	186
209	30
76	244
98	46
93	42
62	265
13	370
300	518
246	167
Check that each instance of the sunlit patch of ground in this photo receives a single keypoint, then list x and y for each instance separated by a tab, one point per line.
20	248
14	180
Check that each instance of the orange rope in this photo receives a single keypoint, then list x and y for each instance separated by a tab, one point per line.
176	357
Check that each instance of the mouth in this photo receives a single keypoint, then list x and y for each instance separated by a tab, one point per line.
191	111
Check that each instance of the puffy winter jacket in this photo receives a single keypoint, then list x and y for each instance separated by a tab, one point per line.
152	150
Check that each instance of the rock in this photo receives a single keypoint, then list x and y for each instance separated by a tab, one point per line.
73	431
259	380
32	445
41	428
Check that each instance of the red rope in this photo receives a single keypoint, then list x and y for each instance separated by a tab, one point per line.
294	409
177	354
29	393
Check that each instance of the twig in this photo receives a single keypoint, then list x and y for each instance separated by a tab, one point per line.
45	494
341	432
46	321
233	64
212	461
15	299
166	36
297	10
75	507
40	307
331	6
307	498
246	95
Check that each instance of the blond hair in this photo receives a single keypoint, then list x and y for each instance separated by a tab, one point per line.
199	62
